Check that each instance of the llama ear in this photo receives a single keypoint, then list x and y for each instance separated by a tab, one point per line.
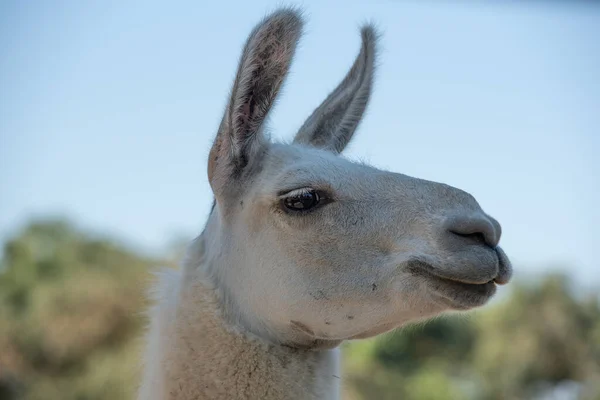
333	123
262	68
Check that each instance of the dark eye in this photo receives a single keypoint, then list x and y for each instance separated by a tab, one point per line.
302	200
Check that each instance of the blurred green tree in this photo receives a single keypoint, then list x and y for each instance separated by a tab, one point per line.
542	334
70	315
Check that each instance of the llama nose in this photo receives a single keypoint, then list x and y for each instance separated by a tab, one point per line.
477	228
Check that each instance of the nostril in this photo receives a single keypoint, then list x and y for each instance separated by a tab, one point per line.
476	237
478	229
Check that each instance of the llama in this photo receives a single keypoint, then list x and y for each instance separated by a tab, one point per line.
304	249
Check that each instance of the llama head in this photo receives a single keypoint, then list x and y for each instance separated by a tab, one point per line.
309	248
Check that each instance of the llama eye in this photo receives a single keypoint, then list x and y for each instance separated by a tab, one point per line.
302	200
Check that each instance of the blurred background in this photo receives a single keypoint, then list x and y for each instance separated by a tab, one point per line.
107	113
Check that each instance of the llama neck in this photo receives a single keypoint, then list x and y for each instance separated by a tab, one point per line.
206	357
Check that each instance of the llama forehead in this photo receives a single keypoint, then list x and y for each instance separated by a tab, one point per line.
289	167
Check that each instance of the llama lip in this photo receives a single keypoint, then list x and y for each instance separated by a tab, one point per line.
457	294
464	296
501	276
423	268
505	267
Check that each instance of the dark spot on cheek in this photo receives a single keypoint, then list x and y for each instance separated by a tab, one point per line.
242	203
301	327
319	295
357	220
327	323
350	316
373	287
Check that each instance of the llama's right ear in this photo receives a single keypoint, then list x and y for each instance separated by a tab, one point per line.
333	123
262	68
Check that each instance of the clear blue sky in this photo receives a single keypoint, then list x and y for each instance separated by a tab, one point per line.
108	109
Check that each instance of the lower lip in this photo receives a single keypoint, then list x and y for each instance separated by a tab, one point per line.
459	294
465	295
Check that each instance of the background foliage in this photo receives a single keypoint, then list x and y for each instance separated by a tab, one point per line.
71	316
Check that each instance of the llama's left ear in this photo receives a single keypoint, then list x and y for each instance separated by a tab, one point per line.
262	68
333	123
